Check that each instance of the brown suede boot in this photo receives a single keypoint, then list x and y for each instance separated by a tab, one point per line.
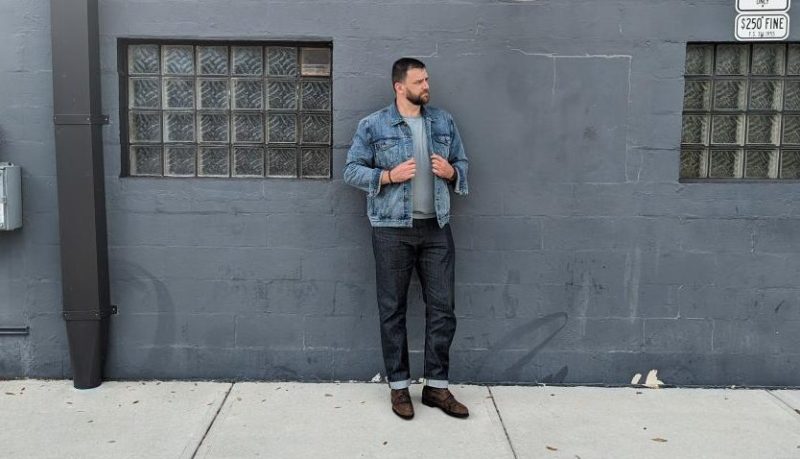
401	403
444	399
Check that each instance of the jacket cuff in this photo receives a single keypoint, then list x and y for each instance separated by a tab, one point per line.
375	182
459	184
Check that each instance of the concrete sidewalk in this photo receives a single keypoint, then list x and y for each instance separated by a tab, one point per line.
174	419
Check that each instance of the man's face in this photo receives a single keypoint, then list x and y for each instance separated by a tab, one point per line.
415	88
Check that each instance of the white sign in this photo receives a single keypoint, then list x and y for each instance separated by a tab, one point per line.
762	5
762	27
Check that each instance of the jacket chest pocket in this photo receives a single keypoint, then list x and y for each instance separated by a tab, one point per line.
441	145
387	151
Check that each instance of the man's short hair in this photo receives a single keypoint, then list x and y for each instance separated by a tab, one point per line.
401	66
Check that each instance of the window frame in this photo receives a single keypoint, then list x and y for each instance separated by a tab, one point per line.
748	77
123	44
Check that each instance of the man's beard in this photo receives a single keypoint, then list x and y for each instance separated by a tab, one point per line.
418	99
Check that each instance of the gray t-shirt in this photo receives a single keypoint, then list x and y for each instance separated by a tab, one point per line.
422	183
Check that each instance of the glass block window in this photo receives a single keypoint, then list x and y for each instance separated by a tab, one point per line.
223	109
741	111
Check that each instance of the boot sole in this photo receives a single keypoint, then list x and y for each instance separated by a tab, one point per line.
407	418
434	405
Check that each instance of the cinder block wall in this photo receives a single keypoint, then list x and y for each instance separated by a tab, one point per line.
30	285
581	258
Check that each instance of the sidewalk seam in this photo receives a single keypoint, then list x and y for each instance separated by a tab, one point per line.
794	410
505	431
213	420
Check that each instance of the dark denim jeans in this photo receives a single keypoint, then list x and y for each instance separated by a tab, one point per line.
398	251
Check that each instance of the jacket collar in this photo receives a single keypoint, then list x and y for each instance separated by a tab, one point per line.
397	118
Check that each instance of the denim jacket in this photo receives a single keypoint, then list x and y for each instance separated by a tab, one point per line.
382	141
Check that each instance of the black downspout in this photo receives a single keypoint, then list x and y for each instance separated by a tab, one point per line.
81	191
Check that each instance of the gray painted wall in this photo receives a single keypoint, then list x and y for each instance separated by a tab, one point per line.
581	259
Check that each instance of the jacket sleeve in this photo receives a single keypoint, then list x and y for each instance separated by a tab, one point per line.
459	161
359	170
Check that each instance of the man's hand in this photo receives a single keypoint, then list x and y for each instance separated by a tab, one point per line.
402	172
441	167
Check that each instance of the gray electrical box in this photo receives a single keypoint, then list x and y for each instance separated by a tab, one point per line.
10	197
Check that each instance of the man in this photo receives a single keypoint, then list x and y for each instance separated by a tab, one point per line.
407	157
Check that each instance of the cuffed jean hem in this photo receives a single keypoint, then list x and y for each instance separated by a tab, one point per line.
437	383
400	384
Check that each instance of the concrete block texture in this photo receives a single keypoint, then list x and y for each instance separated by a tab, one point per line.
185	419
127	418
360	411
652	423
580	256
